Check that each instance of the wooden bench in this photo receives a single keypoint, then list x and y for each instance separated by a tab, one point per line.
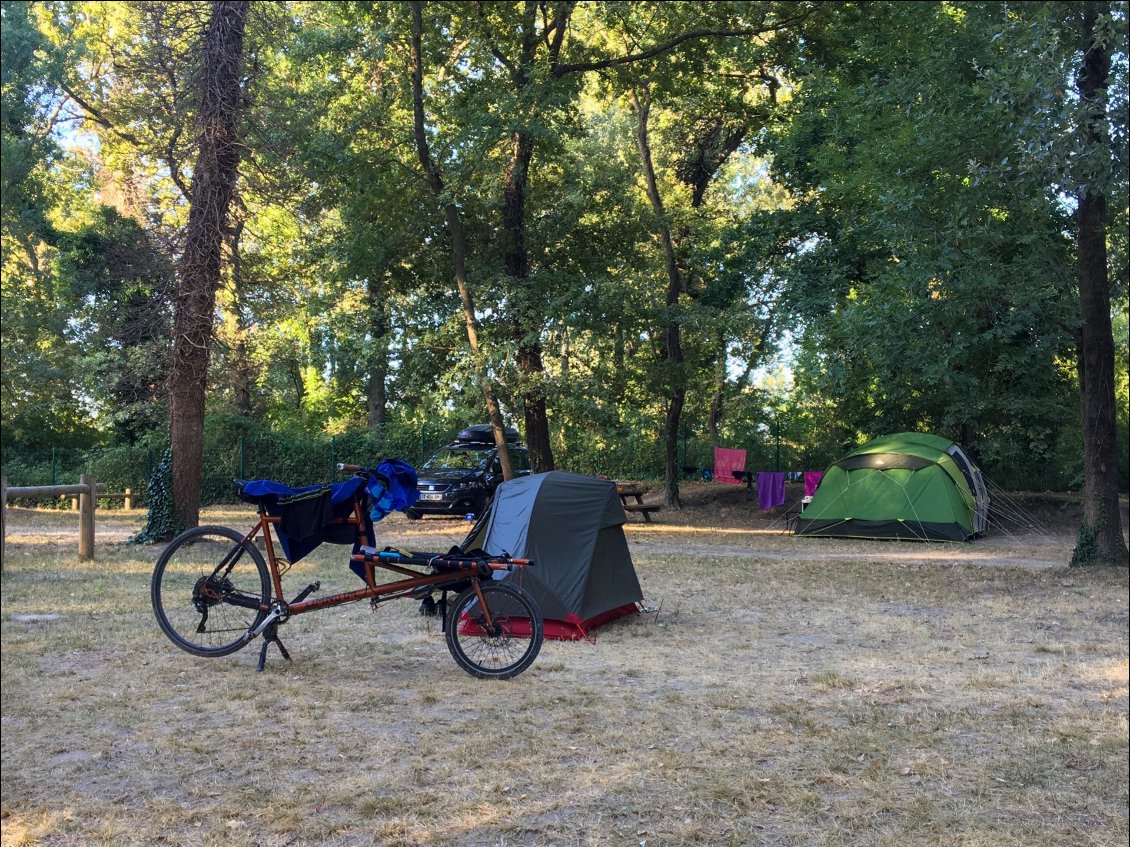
631	496
643	508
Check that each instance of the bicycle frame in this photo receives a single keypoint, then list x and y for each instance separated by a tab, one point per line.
460	571
493	627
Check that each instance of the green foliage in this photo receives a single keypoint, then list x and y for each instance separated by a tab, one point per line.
237	448
27	72
120	287
938	290
880	241
161	523
38	404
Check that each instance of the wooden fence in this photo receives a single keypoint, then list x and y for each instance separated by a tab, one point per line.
87	492
128	498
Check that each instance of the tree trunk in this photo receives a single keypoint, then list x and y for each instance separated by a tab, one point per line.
377	360
458	243
527	311
619	358
213	183
718	399
673	351
1100	536
241	365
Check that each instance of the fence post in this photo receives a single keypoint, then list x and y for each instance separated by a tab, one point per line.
86	518
3	518
128	504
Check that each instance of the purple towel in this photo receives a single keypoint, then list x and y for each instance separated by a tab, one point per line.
770	489
811	480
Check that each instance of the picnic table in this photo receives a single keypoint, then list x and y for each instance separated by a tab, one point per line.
631	496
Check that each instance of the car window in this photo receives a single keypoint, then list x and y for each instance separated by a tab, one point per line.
461	460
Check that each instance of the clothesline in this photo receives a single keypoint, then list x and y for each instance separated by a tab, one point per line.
729	469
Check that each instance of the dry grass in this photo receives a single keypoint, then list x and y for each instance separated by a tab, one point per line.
788	693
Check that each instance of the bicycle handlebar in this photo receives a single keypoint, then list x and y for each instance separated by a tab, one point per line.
490	563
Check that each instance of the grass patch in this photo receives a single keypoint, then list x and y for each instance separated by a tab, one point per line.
829	701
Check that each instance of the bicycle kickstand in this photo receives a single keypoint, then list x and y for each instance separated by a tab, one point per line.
271	633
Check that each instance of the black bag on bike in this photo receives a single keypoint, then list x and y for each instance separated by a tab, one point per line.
302	516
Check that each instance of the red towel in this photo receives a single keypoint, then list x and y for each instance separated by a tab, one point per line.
727	461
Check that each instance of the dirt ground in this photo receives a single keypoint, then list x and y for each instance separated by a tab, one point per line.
783	692
723	520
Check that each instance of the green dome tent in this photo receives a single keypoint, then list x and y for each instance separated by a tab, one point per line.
909	485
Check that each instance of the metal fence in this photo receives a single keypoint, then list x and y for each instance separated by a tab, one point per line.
300	459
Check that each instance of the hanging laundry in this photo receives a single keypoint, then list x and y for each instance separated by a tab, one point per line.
811	480
770	489
726	461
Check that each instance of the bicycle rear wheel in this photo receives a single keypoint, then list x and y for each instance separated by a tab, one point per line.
210	589
508	645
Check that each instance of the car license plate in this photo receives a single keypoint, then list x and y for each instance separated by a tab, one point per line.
431	496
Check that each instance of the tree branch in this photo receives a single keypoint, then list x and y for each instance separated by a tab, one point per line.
667	46
558	27
174	165
494	51
96	115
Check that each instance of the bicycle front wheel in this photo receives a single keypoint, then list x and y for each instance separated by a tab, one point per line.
210	589
505	646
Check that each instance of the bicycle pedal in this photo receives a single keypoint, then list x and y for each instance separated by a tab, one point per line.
306	592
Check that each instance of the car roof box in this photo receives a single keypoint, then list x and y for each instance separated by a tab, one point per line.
483	434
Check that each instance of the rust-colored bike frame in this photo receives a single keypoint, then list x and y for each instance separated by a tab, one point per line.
373	591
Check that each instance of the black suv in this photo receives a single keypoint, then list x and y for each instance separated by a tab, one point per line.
460	479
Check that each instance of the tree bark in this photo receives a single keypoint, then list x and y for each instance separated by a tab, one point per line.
213	184
714	420
458	242
376	393
516	258
1100	536
238	327
673	350
516	262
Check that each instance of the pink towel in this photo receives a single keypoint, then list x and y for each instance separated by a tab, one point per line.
811	480
727	461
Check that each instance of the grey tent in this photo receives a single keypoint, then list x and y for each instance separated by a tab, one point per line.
571	526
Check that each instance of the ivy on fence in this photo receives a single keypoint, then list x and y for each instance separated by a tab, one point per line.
160	524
